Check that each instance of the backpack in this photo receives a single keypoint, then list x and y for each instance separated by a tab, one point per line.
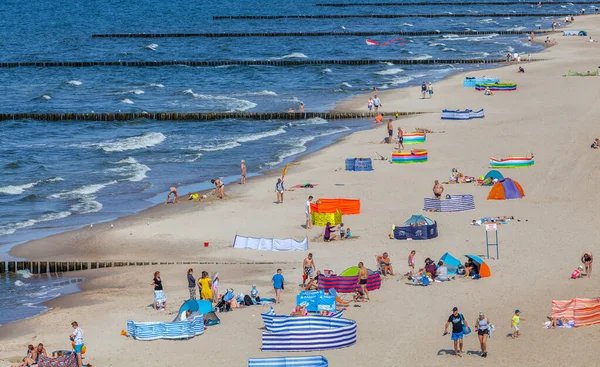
248	300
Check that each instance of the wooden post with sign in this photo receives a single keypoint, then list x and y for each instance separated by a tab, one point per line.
489	229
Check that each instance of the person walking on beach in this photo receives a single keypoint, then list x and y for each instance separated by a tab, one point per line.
308	265
172	191
514	323
483	327
191	283
205	285
430	90
363	278
308	212
458	323
390	127
280	189
411	263
243	172
423	90
376	103
77	338
370	105
159	294
278	281
400	139
438	189
587	259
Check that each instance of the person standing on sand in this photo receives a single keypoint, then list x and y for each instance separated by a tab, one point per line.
411	263
458	322
430	90
191	283
370	105
243	172
159	293
280	189
172	191
587	259
400	139
376	103
309	267
308	212
438	189
483	326
205	285
390	127
77	338
423	90
363	278
514	323
278	284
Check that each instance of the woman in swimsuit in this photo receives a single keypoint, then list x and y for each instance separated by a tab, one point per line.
219	188
587	259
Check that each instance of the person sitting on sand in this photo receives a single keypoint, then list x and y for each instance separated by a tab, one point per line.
312	285
358	296
521	70
299	311
325	313
576	274
194	196
471	268
488	92
454	175
348	234
385	263
172	191
442	272
29	358
378	119
424	130
558	322
328	235
595	144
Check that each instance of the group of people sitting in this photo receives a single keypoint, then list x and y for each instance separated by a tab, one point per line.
34	356
329	234
439	273
459	177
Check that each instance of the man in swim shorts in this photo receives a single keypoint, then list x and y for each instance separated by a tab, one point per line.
438	189
363	277
309	266
400	139
172	191
390	127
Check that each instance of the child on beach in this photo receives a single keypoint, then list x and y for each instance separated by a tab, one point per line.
411	263
342	231
577	272
348	233
514	322
278	284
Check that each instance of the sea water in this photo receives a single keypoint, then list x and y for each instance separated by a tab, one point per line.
56	176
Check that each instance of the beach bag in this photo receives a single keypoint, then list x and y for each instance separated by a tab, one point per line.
228	296
248	300
466	329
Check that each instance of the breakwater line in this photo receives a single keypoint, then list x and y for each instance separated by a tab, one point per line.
386	16
316	34
191	116
458	3
275	62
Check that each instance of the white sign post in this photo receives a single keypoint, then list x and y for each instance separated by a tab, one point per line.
492	227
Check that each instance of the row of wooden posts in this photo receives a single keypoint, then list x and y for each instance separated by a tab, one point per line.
388	16
317	34
44	267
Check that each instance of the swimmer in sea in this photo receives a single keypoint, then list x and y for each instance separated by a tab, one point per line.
172	191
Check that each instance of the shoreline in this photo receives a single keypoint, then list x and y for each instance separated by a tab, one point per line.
516	121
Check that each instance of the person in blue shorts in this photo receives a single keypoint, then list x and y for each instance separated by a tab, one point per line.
458	322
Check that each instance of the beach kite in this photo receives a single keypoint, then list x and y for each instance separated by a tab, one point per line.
399	41
286	168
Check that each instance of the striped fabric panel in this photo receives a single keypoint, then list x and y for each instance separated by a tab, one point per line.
512	162
584	311
165	330
462	115
340	333
470	83
349	284
312	361
269	318
456	203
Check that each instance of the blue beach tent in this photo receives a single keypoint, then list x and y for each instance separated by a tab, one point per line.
451	263
418	220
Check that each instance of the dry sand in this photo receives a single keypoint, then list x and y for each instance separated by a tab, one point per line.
553	116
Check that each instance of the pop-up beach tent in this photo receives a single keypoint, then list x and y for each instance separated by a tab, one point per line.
450	262
418	220
493	174
506	189
416	227
484	269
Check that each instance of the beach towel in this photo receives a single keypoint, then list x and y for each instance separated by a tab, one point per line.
64	361
305	186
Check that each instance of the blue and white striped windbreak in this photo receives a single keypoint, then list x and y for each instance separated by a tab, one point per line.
166	330
312	361
269	318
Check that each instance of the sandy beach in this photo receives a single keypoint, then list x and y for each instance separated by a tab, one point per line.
550	114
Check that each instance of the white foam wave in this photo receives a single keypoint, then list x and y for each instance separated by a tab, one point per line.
74	82
516	28
157	85
19	283
46	97
86	205
235	104
393	71
24	273
253	137
127	101
345	84
17	190
401	80
448	49
134	170
260	93
217	147
145	140
433	44
421	57
152	46
407	25
11	228
82	191
295	55
326	70
184	158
